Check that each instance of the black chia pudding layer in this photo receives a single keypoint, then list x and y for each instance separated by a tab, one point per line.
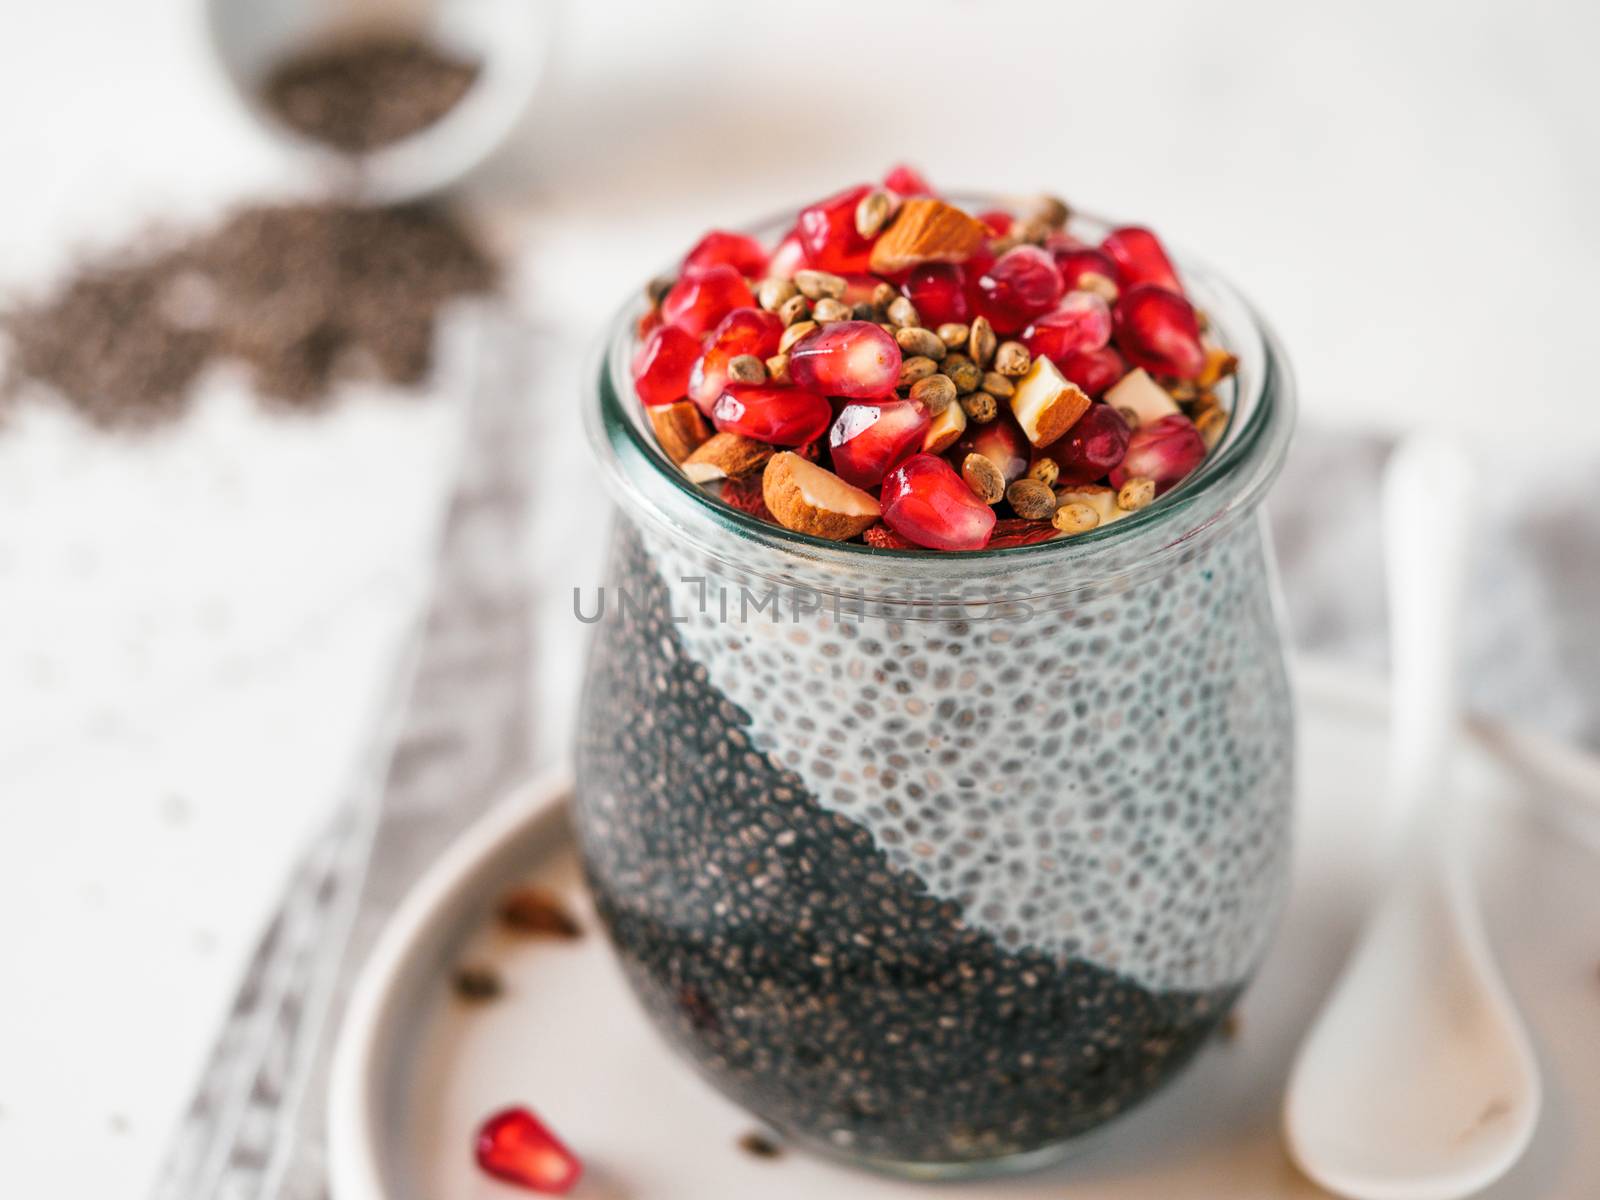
817	983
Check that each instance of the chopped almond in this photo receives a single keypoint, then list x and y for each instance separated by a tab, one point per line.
944	430
1101	499
808	499
679	428
726	456
1046	404
1219	365
1147	399
926	230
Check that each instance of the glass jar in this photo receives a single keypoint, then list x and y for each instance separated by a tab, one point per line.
939	861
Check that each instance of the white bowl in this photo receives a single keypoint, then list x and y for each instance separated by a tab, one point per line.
508	38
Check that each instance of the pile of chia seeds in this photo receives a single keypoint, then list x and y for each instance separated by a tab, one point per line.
824	989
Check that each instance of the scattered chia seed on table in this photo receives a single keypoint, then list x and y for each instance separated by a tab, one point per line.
825	989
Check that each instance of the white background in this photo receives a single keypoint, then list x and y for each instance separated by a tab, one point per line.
1408	190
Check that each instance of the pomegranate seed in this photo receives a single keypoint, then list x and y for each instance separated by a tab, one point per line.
868	439
1158	331
1001	442
1094	370
1018	286
1165	451
854	359
663	364
881	537
1014	531
515	1147
697	302
780	416
939	293
1079	262
789	257
828	234
998	220
743	331
1092	448
1140	258
925	501
719	247
907	181
1081	322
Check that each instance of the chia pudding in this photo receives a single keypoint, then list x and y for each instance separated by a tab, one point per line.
936	857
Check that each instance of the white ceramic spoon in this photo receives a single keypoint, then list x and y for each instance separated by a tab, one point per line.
1417	1081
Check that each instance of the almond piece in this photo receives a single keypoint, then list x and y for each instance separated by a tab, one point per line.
1147	398
1219	365
1046	404
808	499
1096	495
926	230
726	456
679	428
944	430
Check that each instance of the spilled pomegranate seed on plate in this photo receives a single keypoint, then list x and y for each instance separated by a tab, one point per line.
890	334
515	1147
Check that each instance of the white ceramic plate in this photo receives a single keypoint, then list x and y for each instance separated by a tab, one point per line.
417	1070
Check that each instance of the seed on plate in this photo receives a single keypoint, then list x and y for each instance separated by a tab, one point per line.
817	285
873	212
902	312
980	407
936	393
795	308
778	368
759	1145
476	984
1013	359
826	311
773	293
793	334
1075	518
1135	494
1032	499
984	478
963	372
918	366
981	342
914	339
1045	471
953	334
998	385
536	911
746	368
1211	422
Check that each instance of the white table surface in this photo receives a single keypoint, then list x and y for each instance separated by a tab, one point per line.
1407	188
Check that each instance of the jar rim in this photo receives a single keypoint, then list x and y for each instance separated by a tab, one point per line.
1231	480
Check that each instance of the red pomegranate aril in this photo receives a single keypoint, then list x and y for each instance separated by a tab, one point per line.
828	234
743	331
998	220
720	247
1001	442
514	1146
854	359
1080	262
781	416
868	439
1164	450
907	181
1018	286
1094	370
662	367
789	257
1092	448
926	502
1140	258
938	291
1158	330
697	302
1082	321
